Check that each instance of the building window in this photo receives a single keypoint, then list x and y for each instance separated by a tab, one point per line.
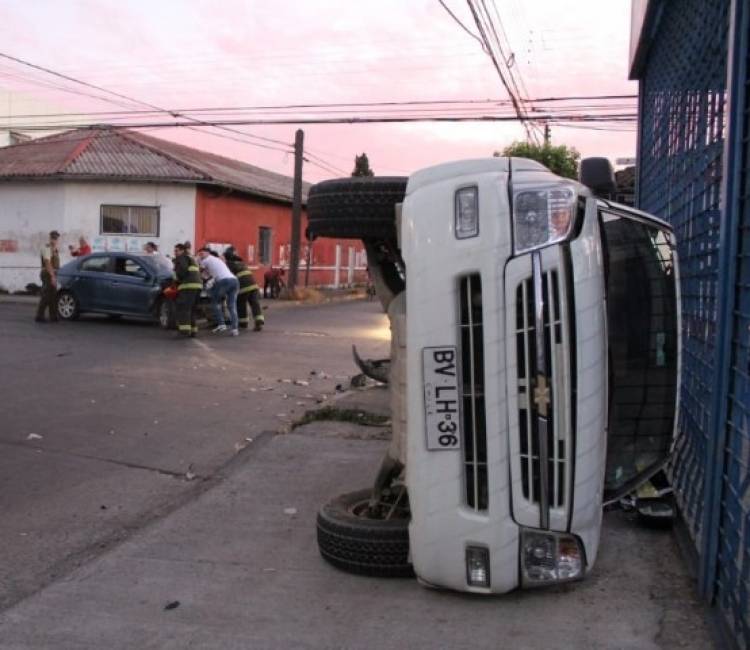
130	220
264	245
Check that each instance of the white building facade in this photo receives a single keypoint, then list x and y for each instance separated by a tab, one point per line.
110	215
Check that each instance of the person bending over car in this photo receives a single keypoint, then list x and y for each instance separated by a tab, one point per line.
249	291
225	285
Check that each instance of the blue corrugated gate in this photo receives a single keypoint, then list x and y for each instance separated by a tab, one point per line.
694	171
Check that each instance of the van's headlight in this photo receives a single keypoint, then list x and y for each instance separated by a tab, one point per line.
542	216
548	557
467	212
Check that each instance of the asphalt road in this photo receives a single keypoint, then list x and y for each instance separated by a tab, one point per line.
106	543
108	425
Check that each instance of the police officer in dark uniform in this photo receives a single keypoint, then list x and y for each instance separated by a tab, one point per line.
249	291
50	259
189	285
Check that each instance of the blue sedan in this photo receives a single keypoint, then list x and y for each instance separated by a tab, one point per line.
119	284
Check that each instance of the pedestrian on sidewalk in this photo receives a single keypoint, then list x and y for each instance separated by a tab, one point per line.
249	293
83	248
189	286
225	286
50	259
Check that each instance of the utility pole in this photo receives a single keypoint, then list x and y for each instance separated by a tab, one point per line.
546	133
296	212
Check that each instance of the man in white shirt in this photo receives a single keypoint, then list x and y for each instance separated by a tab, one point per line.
225	284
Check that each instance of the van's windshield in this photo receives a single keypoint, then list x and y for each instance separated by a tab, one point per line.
642	323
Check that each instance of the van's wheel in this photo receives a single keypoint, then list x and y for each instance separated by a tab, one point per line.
67	306
166	315
355	208
363	540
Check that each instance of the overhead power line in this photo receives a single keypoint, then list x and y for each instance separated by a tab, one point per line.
520	113
615	117
287	147
138	101
462	26
279	107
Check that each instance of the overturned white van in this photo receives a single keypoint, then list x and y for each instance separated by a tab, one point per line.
534	368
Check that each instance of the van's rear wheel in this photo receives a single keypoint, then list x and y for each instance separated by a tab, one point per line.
355	208
363	540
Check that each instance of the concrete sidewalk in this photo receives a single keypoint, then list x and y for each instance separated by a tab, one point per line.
238	567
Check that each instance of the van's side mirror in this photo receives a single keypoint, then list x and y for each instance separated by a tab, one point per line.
599	176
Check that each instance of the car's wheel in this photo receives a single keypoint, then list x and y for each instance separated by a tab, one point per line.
356	208
166	315
358	539
67	306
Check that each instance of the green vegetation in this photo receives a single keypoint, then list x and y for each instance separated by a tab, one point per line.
329	413
362	166
560	159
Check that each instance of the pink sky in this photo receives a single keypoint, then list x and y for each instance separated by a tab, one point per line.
200	53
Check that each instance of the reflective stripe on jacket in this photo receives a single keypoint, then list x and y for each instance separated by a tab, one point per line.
244	275
187	273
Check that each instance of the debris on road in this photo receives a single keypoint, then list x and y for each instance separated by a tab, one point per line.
190	474
290	511
301	382
34	436
173	605
359	381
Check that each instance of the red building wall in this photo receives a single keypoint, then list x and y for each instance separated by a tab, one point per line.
237	219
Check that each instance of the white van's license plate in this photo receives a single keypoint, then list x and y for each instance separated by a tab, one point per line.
441	398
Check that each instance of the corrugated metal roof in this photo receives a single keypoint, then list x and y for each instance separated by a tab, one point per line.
121	154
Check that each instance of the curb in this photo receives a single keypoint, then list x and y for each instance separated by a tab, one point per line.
266	302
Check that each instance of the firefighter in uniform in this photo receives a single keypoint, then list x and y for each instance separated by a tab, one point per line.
50	259
189	286
249	291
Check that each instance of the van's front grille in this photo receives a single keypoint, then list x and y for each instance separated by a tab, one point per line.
558	440
472	376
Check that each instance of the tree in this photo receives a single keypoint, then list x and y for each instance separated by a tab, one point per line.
362	166
561	160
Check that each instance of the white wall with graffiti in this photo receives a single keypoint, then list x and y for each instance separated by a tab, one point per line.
30	209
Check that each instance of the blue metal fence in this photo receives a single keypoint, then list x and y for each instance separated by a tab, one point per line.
681	146
728	558
694	171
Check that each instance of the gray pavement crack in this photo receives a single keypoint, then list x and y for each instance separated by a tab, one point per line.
112	461
63	568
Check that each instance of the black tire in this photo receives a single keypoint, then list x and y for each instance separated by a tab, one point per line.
67	306
355	208
350	540
165	314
